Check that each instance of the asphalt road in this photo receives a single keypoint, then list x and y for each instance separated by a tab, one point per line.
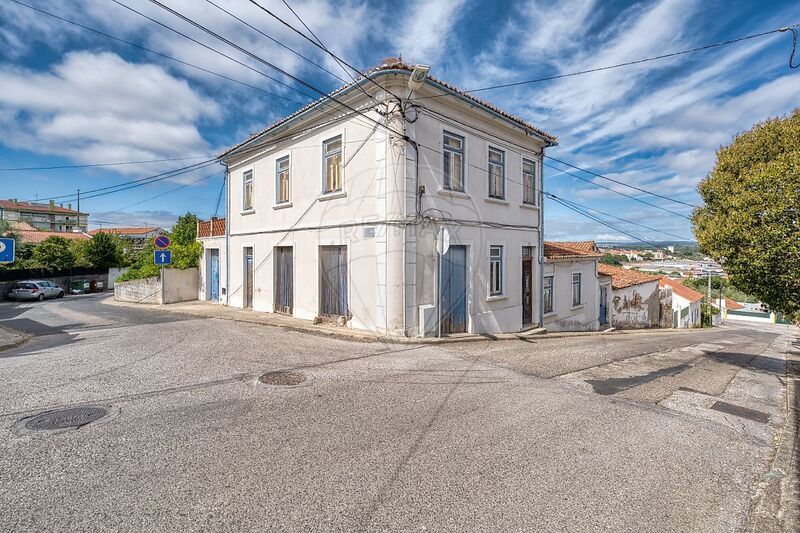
614	433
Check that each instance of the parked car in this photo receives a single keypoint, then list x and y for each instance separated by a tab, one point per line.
35	290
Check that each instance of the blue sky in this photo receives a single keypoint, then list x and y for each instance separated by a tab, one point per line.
72	97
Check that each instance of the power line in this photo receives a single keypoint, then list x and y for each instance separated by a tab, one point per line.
223	54
169	191
298	54
221	190
88	165
629	63
617	192
151	51
622	182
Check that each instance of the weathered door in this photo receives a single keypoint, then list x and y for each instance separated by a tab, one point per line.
248	276
527	291
603	305
333	281
213	275
284	280
453	290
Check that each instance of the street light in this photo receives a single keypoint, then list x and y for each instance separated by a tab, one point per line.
418	76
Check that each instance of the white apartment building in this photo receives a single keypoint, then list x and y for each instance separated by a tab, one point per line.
334	211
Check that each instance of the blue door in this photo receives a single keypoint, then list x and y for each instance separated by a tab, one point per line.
213	275
453	293
603	305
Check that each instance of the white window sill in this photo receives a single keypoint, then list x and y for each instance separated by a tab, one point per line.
498	201
453	194
284	205
331	196
529	206
248	212
550	314
575	307
497	297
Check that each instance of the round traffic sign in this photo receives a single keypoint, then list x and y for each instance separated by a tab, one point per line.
161	242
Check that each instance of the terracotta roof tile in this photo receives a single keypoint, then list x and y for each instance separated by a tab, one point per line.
565	250
680	289
11	205
624	277
36	237
732	304
395	66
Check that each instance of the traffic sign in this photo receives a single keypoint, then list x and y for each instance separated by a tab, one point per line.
7	249
162	242
443	241
162	257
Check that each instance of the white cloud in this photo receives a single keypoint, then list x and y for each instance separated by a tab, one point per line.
426	30
98	107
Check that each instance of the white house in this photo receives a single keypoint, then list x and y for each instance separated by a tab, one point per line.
685	303
333	211
636	300
213	266
571	290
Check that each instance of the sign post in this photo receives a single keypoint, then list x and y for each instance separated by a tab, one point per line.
442	245
7	250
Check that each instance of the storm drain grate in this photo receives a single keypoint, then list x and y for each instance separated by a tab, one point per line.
282	378
66	418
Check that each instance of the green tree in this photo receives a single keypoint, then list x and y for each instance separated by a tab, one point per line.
751	217
102	251
185	229
613	259
53	253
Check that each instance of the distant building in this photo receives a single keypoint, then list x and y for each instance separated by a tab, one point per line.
36	236
636	300
44	217
136	237
685	303
572	298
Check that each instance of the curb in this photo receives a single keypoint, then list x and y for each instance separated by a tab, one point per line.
367	337
18	338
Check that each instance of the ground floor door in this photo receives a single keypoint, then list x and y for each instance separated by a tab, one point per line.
333	281
248	276
213	275
284	280
453	290
603	305
527	291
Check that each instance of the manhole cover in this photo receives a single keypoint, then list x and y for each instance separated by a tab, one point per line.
282	378
66	418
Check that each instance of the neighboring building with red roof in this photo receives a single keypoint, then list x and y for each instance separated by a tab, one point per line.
685	303
571	290
637	301
211	234
137	237
35	237
45	217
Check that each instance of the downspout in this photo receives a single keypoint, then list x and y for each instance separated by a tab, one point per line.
227	234
541	242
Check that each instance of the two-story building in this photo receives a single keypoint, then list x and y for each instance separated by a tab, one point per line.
335	212
44	217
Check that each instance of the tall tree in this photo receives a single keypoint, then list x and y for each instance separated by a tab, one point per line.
185	229
751	217
103	251
53	253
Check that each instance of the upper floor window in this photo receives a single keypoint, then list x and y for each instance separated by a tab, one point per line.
529	181
282	180
497	173
576	289
247	190
332	154
453	161
495	270
547	294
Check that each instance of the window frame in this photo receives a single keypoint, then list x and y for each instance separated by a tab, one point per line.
278	173
545	287
325	156
502	165
532	188
248	179
446	151
498	260
580	289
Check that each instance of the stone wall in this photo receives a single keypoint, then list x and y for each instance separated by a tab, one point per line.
140	291
636	306
179	286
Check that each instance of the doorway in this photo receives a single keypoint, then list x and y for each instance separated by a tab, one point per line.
333	281
213	275
284	280
527	291
603	305
248	276
453	290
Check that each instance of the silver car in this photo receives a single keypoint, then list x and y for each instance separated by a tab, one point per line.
35	290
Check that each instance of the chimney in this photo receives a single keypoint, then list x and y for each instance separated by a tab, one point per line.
52	204
69	206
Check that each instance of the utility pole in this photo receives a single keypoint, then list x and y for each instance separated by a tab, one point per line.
79	209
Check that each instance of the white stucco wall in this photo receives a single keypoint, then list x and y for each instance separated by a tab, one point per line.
565	316
693	317
217	243
636	306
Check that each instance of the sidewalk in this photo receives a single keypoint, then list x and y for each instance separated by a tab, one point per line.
210	310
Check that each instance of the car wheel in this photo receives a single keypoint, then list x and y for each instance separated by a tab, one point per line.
60	294
41	298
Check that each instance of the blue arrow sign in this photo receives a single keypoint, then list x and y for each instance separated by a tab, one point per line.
7	249
162	257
